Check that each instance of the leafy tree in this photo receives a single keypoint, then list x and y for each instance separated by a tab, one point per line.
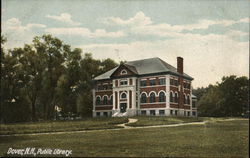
51	52
32	69
14	105
67	85
228	98
199	92
107	65
46	73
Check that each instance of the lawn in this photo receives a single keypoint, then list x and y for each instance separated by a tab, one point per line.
214	139
57	126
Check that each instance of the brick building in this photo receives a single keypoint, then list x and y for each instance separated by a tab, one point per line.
144	87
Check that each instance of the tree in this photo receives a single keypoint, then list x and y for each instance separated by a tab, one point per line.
199	92
14	105
51	52
67	85
89	68
228	98
46	73
32	69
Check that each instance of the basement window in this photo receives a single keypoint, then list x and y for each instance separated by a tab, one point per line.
105	114
98	114
152	112
143	112
194	113
161	112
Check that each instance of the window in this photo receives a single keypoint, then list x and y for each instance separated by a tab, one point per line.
185	99
152	82
171	82
193	104
187	85
162	81
143	83
176	97
152	112
143	112
171	112
100	87
111	100
194	113
123	72
176	112
123	95
105	114
110	86
152	97
130	81
98	100
188	113
123	82
161	112
105	87
136	84
143	98
162	97
175	82
98	114
105	100
171	97
188	100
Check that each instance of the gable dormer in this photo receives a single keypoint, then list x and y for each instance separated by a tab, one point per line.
124	71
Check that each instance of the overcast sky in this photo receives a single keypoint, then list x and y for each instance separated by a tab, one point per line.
212	36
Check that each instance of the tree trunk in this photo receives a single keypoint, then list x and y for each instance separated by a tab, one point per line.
33	110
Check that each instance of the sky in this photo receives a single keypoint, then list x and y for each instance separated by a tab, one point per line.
211	35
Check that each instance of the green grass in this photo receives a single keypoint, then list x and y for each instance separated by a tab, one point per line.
56	126
214	139
162	120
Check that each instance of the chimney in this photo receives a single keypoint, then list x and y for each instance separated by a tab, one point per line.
180	65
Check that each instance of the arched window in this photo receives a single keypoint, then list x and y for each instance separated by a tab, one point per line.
176	97
105	100
143	98
184	98
98	100
123	96
152	97
124	72
111	100
171	97
162	97
188	100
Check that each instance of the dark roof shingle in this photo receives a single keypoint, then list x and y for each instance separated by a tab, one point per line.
146	66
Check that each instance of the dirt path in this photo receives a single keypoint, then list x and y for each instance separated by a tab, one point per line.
130	120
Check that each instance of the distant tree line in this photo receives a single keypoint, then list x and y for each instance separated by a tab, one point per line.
44	74
228	98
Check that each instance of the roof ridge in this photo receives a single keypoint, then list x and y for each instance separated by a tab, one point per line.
141	60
